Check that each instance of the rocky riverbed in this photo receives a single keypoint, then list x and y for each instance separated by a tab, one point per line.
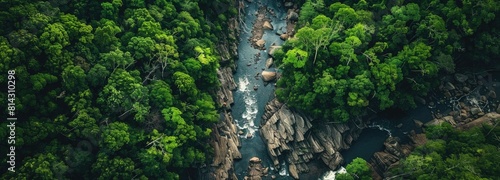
289	135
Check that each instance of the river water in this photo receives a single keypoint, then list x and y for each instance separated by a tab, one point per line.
249	103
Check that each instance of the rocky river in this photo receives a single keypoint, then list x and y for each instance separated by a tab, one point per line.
258	137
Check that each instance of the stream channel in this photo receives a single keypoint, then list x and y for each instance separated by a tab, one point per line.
249	103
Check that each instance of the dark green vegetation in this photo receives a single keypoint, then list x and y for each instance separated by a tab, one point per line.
351	56
453	154
114	89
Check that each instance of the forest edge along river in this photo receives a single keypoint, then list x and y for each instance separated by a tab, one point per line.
252	94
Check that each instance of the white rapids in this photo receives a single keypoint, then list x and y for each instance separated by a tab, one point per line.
250	113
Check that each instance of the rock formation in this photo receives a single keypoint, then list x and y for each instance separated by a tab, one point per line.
268	76
394	151
289	134
267	25
255	169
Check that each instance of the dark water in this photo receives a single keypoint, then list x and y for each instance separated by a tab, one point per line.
248	103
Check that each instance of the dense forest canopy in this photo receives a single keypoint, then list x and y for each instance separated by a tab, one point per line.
111	89
350	56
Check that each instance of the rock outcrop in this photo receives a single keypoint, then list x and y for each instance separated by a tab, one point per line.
255	169
225	141
288	134
225	94
268	76
224	137
394	151
267	25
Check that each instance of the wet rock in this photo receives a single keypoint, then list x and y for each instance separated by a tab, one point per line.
498	109
420	100
383	160
267	25
399	125
268	76
225	93
260	43
492	94
255	169
466	89
293	171
449	86
475	110
461	77
293	16
284	37
288	4
489	118
241	132
269	62
418	123
255	160
255	88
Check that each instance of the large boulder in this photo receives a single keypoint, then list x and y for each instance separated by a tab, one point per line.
284	37
267	25
461	78
293	16
260	43
268	75
269	62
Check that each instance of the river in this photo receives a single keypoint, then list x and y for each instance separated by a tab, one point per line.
249	103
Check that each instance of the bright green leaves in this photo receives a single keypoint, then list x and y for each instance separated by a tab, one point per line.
115	136
124	93
116	59
182	130
206	109
360	87
141	47
84	124
105	35
387	74
113	168
185	83
312	39
187	26
54	39
43	166
416	55
346	49
73	79
40	80
296	57
77	31
161	146
434	27
360	169
161	94
347	16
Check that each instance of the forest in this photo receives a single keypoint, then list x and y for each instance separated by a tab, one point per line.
113	89
125	89
379	54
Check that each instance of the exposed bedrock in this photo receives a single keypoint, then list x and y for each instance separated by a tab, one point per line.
289	134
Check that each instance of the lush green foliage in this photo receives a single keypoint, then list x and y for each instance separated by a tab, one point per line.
114	89
352	55
357	169
454	154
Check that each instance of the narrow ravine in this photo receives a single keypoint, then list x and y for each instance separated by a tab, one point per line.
249	103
